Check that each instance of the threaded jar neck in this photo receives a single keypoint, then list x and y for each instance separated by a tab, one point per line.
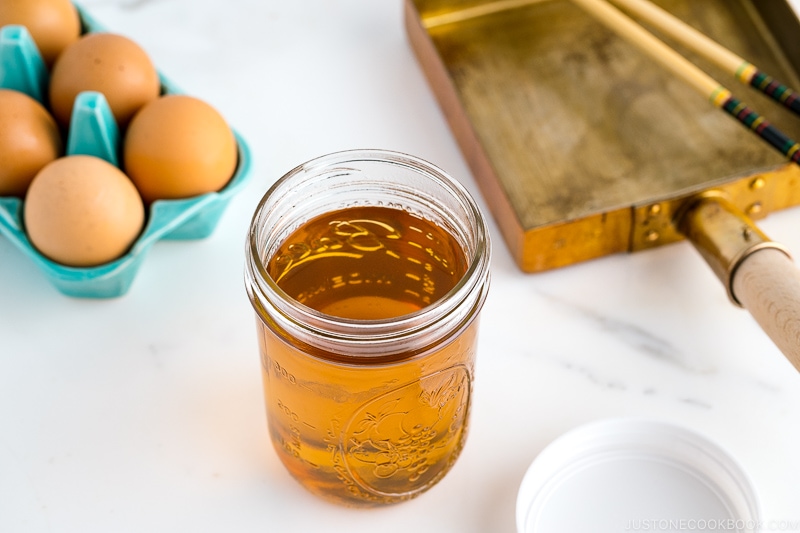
367	178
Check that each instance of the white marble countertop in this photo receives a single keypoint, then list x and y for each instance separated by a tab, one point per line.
144	413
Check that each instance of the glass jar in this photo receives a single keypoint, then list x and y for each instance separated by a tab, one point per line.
367	323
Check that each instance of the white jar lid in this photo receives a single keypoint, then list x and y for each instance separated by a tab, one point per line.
624	475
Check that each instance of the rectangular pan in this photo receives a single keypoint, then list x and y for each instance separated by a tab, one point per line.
583	146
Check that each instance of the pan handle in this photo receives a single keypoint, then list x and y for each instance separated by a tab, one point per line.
768	285
758	273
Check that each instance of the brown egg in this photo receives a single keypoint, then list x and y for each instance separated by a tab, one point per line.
53	24
179	146
82	211
29	139
108	63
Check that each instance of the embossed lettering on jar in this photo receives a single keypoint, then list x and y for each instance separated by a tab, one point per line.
367	288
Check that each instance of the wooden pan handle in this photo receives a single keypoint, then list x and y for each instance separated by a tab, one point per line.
767	284
758	273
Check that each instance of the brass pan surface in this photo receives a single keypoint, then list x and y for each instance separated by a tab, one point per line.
581	145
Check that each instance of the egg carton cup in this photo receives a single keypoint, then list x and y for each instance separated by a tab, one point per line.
93	131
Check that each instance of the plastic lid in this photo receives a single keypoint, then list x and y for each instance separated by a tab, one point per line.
627	475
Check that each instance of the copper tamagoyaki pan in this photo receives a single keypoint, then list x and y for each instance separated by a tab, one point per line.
584	146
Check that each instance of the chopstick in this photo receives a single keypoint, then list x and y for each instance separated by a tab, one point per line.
681	67
700	43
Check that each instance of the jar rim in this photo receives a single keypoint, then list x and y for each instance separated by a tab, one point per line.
366	331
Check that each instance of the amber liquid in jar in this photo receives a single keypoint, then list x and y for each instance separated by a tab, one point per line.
367	431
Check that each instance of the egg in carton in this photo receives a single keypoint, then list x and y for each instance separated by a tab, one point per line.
93	131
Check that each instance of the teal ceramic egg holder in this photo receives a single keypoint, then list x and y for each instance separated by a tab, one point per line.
93	131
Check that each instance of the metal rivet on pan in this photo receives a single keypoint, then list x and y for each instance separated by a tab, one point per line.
755	208
651	236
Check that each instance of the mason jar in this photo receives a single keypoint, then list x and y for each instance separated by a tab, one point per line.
367	271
